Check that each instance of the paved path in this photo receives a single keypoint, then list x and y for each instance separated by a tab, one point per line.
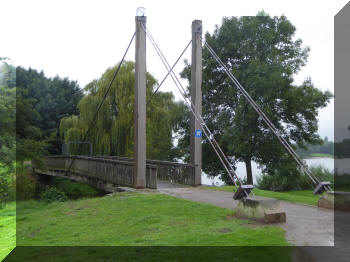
305	226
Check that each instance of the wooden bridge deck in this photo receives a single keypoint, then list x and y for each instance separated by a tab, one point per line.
110	172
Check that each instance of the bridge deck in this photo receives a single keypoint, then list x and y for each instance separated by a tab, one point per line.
110	172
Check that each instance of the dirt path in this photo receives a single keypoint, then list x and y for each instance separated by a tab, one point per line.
305	226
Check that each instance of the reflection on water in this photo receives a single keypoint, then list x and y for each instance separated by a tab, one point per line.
326	162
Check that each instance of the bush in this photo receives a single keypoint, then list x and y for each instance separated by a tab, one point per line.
7	184
323	174
342	182
52	194
279	182
26	182
75	190
286	179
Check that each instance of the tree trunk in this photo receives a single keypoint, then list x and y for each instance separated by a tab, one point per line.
248	166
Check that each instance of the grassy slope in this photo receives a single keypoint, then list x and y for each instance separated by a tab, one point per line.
7	229
302	196
131	219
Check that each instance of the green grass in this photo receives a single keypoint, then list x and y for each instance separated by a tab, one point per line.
132	219
302	196
151	253
7	229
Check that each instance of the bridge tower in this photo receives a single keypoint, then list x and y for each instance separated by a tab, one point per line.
196	97
140	104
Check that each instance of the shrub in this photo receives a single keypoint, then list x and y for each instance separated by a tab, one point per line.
7	184
342	182
323	174
52	194
26	182
74	189
286	179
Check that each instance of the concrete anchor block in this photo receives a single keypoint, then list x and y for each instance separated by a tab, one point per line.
263	210
326	200
335	200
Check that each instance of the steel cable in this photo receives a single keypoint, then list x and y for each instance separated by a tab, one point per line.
263	116
197	116
157	89
100	105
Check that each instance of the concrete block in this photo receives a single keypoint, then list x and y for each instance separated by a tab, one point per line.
263	210
326	200
335	200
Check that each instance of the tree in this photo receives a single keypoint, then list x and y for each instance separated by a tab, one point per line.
7	115
52	98
261	53
112	133
7	132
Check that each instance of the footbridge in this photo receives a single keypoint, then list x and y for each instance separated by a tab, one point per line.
110	172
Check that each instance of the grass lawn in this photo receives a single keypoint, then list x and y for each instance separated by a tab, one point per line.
132	219
302	196
7	229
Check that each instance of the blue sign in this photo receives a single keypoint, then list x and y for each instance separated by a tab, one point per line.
198	133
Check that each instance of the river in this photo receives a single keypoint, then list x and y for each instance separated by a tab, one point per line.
326	162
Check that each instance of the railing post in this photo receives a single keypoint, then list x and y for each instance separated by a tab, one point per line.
140	104
196	97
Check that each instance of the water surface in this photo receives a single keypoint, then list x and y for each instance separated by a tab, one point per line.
326	162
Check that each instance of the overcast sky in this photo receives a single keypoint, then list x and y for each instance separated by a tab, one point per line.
81	39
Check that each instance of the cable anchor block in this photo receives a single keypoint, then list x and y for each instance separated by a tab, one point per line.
322	187
243	191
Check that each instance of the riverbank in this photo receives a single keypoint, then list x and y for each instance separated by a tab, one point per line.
319	155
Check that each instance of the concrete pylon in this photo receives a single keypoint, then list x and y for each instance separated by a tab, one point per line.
140	105
196	97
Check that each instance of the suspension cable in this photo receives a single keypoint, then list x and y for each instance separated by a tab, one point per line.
194	112
263	116
157	89
171	69
100	105
197	116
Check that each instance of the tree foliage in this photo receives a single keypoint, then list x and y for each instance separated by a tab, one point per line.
7	114
31	106
112	133
263	55
7	132
47	100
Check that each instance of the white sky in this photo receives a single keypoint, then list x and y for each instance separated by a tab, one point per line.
80	39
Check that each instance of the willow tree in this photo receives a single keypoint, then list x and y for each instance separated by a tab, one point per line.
112	133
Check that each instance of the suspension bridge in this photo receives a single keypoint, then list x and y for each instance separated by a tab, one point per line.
111	172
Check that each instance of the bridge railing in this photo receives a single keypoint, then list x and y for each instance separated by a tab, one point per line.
114	171
182	173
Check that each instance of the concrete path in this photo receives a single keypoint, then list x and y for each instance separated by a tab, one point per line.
305	226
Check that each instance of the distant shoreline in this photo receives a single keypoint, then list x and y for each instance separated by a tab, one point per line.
319	155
